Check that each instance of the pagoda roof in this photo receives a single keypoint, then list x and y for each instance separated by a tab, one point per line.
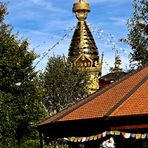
83	42
113	76
127	97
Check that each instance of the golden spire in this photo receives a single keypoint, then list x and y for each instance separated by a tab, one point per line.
83	51
117	64
82	41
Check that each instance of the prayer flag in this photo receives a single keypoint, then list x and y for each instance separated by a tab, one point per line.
99	136
133	135
96	137
91	138
127	135
138	136
117	132
143	136
72	139
87	138
104	134
112	132
83	139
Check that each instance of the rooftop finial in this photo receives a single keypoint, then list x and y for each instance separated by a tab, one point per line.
81	9
81	1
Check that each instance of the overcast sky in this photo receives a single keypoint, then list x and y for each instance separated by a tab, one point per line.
44	22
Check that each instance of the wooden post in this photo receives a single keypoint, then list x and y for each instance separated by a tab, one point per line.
41	140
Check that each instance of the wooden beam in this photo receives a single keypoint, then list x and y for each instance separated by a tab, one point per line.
128	127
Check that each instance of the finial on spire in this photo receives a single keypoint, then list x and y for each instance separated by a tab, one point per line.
81	1
117	65
81	9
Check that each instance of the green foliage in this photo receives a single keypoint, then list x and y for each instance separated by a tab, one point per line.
20	105
59	143
3	11
26	144
62	83
138	32
30	144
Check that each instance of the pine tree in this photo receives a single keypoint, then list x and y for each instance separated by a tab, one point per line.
138	32
63	84
20	106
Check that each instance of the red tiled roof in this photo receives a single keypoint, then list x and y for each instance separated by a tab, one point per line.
136	104
126	97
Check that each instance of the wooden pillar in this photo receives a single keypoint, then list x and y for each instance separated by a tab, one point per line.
41	139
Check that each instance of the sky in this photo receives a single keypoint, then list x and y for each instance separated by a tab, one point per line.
45	22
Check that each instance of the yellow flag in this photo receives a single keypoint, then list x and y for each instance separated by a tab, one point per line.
138	136
91	138
112	132
72	139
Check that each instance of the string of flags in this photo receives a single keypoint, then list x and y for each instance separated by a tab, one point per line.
66	35
106	133
109	39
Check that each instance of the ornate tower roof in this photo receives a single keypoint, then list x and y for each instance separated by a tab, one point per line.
83	52
82	42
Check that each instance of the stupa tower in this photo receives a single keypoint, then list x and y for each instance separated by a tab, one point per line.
83	52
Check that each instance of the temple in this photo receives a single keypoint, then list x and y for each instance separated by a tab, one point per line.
83	52
119	110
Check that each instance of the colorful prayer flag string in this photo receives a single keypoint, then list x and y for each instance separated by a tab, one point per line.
106	133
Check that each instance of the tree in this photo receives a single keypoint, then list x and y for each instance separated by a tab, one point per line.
63	83
138	32
20	105
3	11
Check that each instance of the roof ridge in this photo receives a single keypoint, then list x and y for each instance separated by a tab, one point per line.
122	100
